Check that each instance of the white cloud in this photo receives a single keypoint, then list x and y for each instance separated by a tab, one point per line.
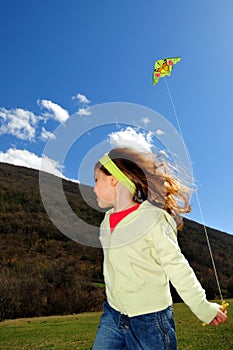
81	98
51	166
18	122
159	132
54	111
45	135
83	102
24	124
84	111
129	137
145	121
31	160
164	153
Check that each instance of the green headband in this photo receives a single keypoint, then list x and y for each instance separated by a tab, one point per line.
107	162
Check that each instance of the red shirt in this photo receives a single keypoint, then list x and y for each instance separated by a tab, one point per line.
115	218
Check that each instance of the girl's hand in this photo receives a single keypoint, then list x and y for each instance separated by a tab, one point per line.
221	317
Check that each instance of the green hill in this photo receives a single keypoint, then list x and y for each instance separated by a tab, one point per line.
42	272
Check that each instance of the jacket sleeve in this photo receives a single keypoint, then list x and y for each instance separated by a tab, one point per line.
179	272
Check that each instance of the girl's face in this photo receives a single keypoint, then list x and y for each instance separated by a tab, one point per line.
105	189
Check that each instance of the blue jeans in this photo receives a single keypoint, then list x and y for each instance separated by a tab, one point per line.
153	331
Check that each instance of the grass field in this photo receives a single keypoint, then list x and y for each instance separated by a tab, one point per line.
77	332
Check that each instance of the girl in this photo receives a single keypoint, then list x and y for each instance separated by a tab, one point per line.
141	254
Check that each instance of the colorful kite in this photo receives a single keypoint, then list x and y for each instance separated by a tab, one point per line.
163	68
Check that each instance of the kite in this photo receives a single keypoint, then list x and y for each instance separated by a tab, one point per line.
163	68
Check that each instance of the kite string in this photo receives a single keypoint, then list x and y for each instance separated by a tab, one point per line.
198	201
210	250
174	110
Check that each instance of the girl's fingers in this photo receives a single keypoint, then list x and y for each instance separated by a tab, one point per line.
221	317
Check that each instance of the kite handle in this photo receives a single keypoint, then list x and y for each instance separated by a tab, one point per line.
223	308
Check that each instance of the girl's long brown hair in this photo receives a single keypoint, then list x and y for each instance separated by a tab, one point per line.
153	180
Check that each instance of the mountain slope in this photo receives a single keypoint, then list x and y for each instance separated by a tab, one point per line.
42	272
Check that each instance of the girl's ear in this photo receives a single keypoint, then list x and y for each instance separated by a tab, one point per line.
114	181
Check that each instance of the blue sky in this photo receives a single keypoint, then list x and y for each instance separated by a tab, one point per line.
62	57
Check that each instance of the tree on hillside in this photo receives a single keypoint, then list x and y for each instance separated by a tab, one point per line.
8	295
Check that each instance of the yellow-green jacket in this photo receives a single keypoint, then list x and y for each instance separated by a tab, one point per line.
140	257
